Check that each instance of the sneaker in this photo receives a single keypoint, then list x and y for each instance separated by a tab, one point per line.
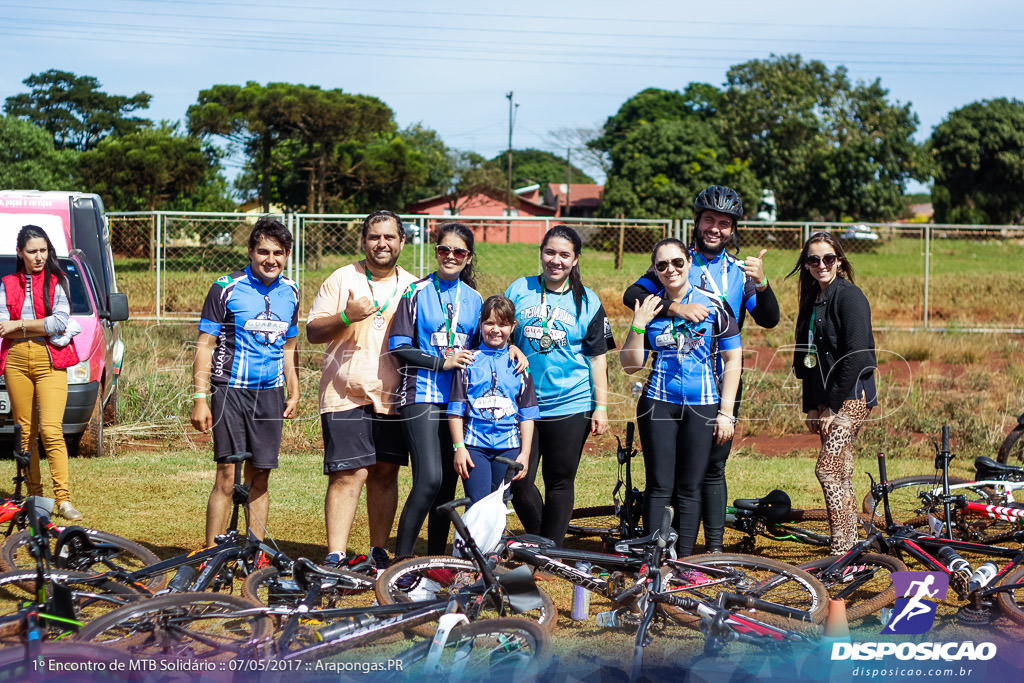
68	511
333	560
380	558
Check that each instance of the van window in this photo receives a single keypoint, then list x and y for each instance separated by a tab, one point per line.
80	304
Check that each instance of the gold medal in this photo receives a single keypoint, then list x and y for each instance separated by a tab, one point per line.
810	361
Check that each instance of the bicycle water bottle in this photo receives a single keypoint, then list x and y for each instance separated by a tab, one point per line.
957	565
982	576
581	597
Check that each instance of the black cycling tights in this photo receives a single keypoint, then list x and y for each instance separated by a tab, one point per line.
716	493
559	442
677	442
433	478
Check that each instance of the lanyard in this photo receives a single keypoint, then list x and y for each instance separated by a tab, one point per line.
451	321
810	329
544	302
369	283
723	293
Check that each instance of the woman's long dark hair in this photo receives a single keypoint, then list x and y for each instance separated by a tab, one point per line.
575	280
809	287
52	266
468	274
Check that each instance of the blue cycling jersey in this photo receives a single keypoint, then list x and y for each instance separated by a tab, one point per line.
251	321
558	340
493	399
437	317
683	371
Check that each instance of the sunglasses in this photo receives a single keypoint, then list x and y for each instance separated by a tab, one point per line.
443	251
828	259
677	263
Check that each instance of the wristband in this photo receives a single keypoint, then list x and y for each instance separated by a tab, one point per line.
637	330
22	327
199	394
763	283
341	314
604	408
731	418
457	446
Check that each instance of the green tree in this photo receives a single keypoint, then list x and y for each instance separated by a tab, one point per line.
74	110
978	153
534	166
28	159
660	166
827	149
149	169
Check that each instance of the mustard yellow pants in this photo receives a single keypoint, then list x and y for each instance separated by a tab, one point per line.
39	394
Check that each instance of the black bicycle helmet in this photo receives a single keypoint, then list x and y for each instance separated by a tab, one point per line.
720	199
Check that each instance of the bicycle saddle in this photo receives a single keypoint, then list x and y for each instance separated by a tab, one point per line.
637	546
533	539
987	468
304	571
775	506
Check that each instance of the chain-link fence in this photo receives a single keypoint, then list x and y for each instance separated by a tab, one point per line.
915	275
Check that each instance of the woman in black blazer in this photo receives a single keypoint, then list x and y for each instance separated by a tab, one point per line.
835	359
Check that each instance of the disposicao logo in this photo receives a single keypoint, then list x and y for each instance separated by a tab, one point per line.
916	592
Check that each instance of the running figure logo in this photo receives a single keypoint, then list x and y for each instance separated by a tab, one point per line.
915	608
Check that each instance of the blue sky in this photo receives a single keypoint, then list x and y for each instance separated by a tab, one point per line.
570	64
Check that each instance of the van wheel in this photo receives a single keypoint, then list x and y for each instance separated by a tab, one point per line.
90	442
110	412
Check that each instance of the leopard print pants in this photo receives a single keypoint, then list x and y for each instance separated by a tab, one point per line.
835	472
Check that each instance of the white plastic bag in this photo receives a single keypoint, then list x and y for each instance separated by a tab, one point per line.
485	521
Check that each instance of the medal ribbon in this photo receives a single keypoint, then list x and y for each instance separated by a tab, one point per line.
723	293
810	332
544	302
373	294
451	322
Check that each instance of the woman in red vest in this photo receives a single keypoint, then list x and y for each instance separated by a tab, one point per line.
34	357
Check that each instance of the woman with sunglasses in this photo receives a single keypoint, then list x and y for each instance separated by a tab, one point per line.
835	360
681	413
563	329
431	335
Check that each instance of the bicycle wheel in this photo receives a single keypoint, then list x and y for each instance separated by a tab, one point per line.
110	664
125	555
759	577
90	598
865	585
812	527
432	577
905	497
1011	601
598	520
505	649
193	625
1012	450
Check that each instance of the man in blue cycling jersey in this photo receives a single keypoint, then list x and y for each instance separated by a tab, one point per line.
245	359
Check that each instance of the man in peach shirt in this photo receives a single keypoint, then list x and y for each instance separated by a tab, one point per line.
363	443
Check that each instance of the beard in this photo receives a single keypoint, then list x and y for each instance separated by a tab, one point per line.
702	246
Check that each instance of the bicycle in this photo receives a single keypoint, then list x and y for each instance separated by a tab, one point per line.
1012	448
623	518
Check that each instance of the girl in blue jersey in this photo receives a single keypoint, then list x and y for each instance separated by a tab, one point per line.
565	333
431	334
683	411
491	408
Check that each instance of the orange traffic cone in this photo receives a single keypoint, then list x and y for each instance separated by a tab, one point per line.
836	625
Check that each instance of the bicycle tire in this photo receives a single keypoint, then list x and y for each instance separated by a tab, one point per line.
1011	452
760	577
435	576
597	520
91	599
502	649
904	499
129	556
866	586
200	626
812	527
114	666
1011	602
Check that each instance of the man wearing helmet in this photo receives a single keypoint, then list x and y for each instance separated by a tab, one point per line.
742	287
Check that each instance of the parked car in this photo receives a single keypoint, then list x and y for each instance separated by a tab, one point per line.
860	232
77	227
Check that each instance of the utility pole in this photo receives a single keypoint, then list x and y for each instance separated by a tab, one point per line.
508	190
568	179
